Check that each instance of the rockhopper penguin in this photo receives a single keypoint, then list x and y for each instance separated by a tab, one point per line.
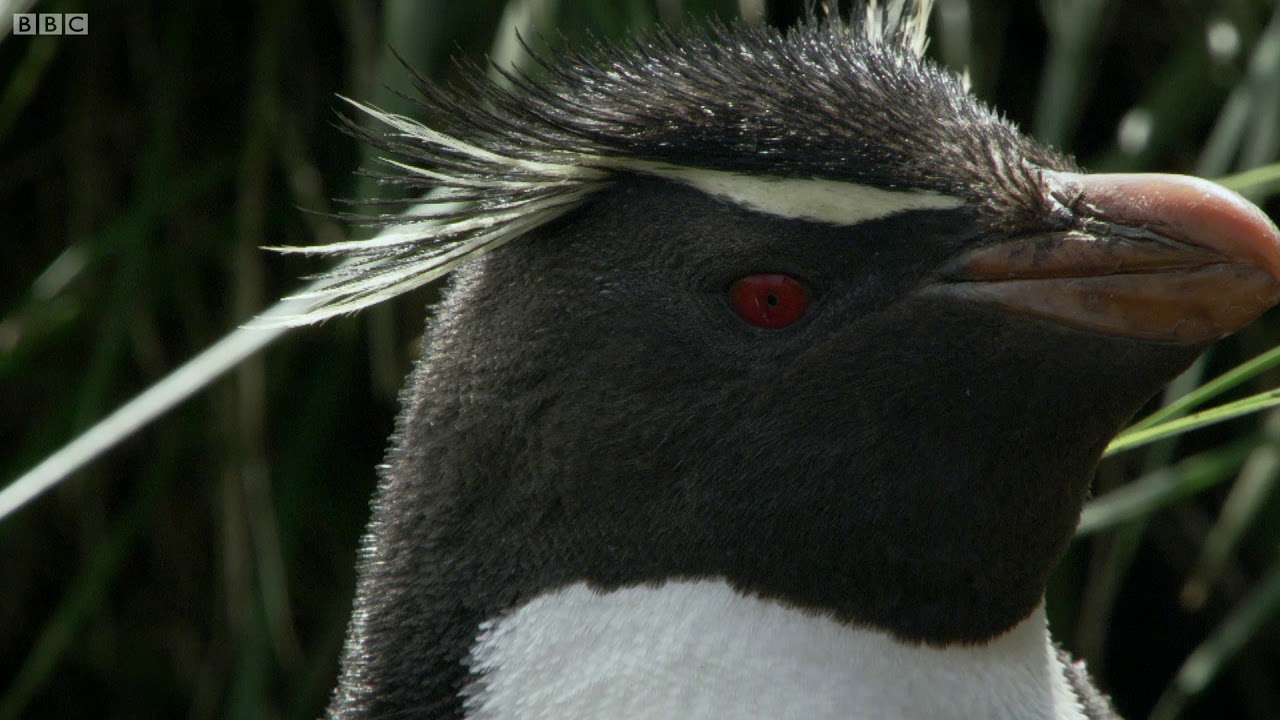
770	383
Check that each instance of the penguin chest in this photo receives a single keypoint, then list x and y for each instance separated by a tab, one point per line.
699	649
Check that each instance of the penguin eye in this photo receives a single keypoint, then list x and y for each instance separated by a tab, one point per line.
769	300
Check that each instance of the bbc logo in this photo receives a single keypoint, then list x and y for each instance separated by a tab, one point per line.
51	23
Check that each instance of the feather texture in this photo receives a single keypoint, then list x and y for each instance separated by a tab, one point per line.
825	100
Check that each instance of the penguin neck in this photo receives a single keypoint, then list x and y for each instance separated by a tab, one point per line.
700	649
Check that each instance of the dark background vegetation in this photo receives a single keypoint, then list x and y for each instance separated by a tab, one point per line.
203	569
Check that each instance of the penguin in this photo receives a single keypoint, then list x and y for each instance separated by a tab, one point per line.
770	380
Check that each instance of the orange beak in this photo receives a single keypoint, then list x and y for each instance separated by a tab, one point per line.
1164	258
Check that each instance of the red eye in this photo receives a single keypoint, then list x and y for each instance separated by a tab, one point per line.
769	300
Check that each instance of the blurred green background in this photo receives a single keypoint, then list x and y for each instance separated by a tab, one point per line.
203	569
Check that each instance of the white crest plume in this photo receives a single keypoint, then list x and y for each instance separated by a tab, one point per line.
901	22
508	158
483	200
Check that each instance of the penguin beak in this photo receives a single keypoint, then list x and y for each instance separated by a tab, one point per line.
1164	258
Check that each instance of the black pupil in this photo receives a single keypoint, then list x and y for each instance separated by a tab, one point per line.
771	300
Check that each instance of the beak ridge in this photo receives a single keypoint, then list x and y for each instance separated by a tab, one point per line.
1184	209
1163	258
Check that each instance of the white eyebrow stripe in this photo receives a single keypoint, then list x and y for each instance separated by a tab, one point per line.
815	199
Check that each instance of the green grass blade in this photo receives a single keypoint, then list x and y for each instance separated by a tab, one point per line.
1260	181
1163	487
1204	393
1256	482
1075	29
81	602
1245	623
1130	439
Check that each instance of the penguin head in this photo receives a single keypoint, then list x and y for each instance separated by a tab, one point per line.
789	309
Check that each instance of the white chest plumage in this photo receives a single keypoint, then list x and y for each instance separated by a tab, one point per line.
699	649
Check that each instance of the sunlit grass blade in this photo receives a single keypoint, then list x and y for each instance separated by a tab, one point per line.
1136	437
1260	181
1224	382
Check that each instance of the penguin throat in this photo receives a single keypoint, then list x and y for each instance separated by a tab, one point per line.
699	649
